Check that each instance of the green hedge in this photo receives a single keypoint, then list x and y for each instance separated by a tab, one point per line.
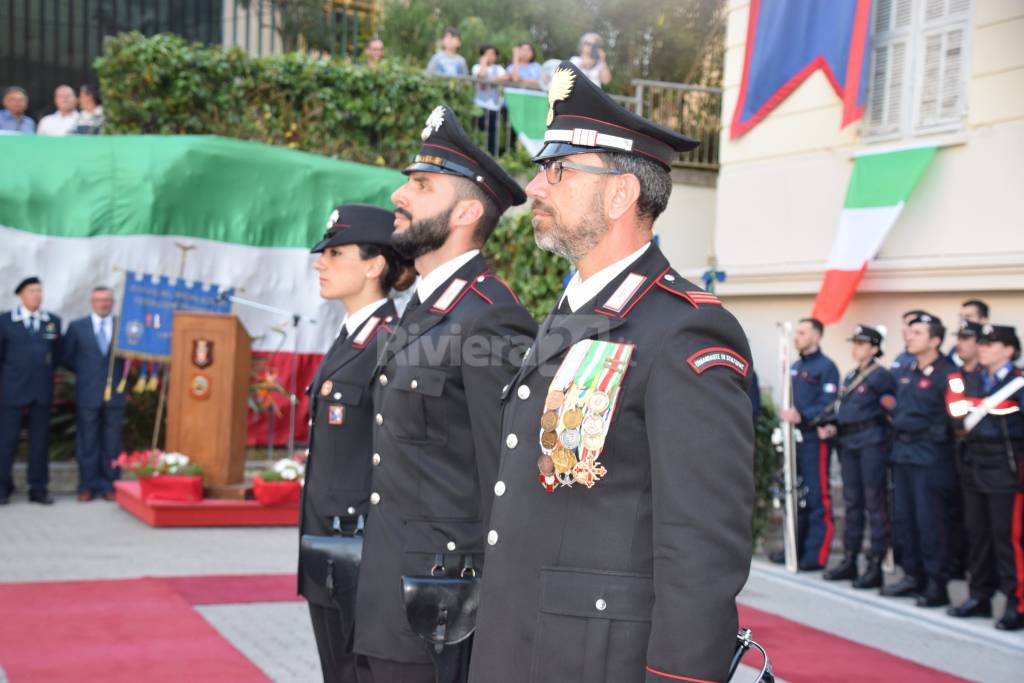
164	85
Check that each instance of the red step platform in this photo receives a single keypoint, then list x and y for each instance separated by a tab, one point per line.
207	512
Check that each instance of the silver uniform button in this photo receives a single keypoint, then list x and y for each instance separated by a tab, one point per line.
451	546
374	498
413	384
351	511
601	605
310	423
379	419
481	278
337	395
670	277
307	452
523	392
492	537
511	440
499	488
375	459
383	379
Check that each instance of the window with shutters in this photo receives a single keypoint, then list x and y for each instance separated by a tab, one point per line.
918	72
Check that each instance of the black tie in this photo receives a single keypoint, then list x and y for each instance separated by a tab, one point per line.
413	304
563	307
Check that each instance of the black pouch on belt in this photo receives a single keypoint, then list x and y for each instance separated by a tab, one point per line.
441	610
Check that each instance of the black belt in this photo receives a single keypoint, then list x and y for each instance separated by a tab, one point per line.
994	444
862	426
908	437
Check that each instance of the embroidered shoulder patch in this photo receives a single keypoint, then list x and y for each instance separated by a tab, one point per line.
718	355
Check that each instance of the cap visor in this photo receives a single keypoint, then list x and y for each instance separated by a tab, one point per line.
431	168
553	150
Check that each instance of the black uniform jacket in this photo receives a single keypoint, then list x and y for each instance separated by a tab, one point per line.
27	359
634	579
438	398
341	435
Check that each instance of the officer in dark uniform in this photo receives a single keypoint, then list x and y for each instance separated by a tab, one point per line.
620	533
358	267
991	468
815	383
965	357
438	382
905	357
29	348
922	467
862	424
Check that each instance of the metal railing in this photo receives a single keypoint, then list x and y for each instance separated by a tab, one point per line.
694	110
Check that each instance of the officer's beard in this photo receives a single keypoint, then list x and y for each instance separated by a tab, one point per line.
572	243
422	236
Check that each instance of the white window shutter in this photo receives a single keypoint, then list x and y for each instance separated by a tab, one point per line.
940	102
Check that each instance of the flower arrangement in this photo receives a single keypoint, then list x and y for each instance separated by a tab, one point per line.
285	469
154	463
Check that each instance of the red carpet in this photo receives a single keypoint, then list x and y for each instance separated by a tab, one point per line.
147	630
235	589
802	654
112	631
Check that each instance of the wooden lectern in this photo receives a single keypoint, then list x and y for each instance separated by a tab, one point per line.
208	391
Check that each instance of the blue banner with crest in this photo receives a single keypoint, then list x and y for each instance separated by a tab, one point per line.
147	311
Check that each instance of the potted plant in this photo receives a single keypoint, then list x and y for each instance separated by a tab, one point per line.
280	484
164	476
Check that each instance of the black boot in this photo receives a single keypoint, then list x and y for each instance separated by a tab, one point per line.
971	607
907	586
846	570
1012	619
777	557
934	595
872	576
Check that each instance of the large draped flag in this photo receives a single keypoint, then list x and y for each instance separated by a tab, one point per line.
79	211
788	40
879	187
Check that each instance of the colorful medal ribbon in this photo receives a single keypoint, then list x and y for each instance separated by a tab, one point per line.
578	413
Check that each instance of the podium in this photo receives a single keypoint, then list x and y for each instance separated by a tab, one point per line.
207	400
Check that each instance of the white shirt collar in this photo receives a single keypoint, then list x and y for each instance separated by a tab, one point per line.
355	320
97	321
20	314
437	277
579	292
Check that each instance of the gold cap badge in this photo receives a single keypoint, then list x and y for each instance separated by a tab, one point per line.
559	89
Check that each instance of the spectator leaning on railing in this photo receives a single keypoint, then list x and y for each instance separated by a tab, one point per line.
524	70
90	118
488	73
373	52
12	117
65	119
447	61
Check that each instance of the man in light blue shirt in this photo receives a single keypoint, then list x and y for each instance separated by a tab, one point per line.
12	116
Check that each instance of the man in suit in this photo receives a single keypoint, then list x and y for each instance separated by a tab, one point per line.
437	386
620	532
29	344
87	350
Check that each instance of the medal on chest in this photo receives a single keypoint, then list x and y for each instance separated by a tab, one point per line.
336	415
578	411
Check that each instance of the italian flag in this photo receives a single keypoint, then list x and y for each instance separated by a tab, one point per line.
879	187
528	112
78	211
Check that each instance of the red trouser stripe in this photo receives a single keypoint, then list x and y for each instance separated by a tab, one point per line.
675	677
826	502
1018	551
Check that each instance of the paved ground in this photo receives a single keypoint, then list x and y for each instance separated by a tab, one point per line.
75	541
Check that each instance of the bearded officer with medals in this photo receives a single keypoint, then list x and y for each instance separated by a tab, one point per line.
437	391
620	533
358	267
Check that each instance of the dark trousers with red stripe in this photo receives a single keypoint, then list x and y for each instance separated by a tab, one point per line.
815	519
994	522
922	518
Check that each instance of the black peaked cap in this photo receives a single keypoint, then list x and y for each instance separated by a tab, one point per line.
583	118
25	283
863	333
357	224
448	149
